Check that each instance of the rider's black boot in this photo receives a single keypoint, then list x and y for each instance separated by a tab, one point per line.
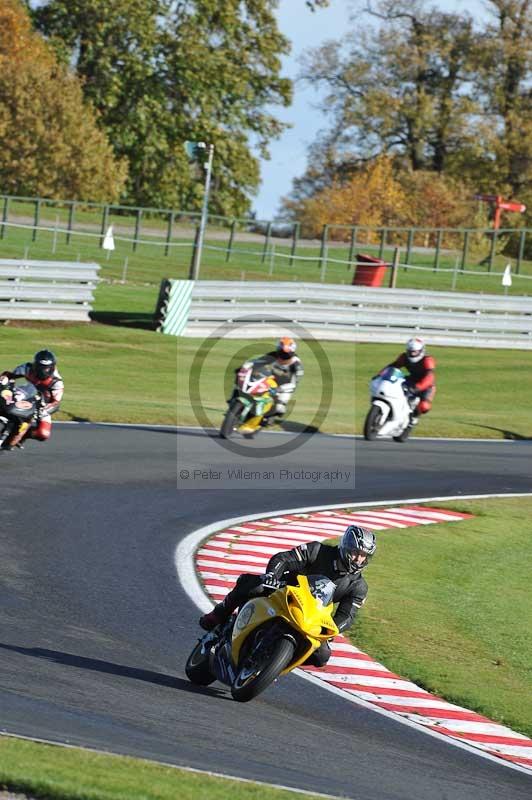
217	616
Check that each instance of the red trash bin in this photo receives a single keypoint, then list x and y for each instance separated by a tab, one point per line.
369	271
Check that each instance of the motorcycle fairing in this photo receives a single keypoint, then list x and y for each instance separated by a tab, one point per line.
297	610
221	661
386	392
18	402
249	385
260	405
386	411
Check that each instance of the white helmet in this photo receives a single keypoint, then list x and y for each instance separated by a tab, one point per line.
415	349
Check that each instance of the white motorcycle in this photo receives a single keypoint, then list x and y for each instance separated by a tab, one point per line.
389	415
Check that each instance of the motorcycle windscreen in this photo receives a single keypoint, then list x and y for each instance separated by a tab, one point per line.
261	368
26	390
391	374
322	588
20	402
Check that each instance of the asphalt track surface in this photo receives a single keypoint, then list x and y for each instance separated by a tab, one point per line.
95	628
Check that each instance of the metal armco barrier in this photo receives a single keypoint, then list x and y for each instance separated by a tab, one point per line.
353	313
47	290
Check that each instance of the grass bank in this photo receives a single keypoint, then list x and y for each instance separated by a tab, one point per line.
112	374
449	608
152	258
476	396
55	773
121	374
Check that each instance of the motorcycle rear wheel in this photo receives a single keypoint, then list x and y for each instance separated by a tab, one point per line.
261	668
404	435
372	424
230	420
197	667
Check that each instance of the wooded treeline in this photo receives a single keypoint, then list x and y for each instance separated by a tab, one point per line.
422	108
152	74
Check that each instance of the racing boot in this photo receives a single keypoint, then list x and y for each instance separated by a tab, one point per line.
217	616
271	418
246	586
414	418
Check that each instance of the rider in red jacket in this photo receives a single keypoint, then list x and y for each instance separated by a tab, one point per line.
421	382
42	373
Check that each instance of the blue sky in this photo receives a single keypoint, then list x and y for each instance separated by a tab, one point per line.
305	30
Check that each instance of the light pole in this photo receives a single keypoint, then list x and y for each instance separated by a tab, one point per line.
198	244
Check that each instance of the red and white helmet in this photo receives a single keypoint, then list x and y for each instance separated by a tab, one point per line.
415	349
286	347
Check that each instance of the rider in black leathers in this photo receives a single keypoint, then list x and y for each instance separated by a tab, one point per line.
342	564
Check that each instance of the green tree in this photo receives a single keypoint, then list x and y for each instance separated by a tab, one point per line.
164	71
50	144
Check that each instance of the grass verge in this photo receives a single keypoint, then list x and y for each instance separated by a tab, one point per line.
48	772
449	608
151	259
114	373
475	396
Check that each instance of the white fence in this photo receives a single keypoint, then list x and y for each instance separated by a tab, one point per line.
47	290
356	313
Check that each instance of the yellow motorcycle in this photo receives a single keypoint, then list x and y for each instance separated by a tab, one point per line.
269	636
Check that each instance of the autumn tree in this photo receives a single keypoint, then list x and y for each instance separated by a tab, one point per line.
164	71
381	194
50	143
371	197
438	201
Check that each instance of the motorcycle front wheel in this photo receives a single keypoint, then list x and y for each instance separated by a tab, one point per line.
260	668
6	429
372	424
197	667
231	418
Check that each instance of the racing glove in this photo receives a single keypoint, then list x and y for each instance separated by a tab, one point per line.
270	580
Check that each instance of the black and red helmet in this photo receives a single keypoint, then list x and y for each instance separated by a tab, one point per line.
44	363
